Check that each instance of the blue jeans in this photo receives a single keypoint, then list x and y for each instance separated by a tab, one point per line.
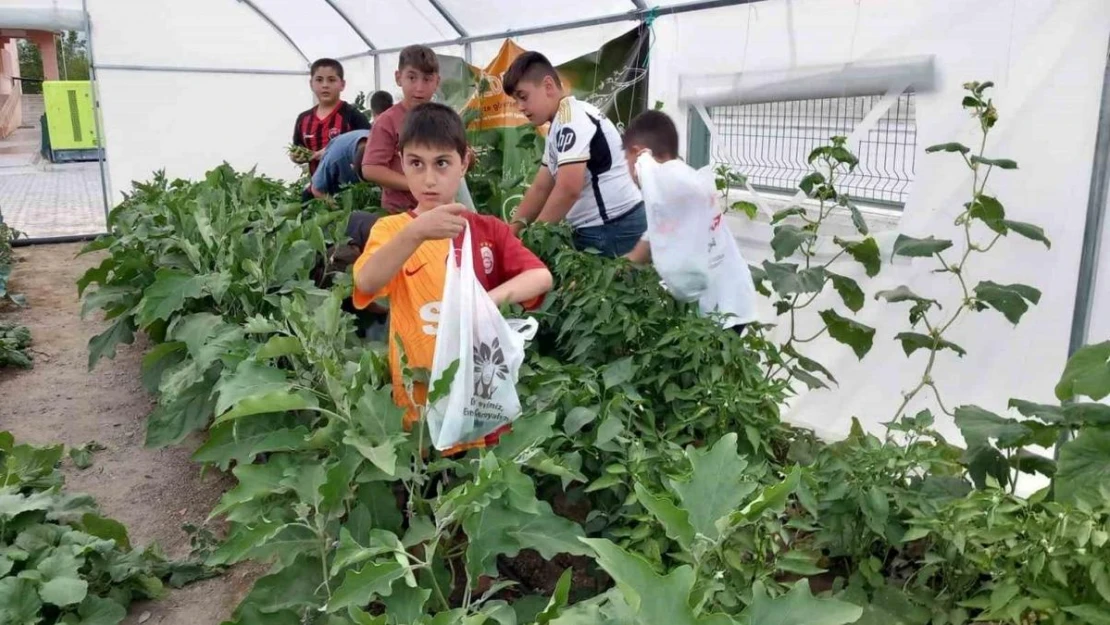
615	238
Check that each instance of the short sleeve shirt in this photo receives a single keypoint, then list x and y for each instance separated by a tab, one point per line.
416	292
382	150
314	133
337	166
582	134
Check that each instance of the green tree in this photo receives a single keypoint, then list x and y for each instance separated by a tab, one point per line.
73	60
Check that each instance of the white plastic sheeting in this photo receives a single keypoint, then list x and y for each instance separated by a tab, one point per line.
1047	58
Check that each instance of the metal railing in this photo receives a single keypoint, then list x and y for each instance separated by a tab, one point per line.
770	143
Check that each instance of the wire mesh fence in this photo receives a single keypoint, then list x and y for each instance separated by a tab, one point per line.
770	142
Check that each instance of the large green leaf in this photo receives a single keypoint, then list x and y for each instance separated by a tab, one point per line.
912	341
273	402
405	604
1084	468
167	295
97	611
242	441
1008	299
990	211
19	603
103	345
849	291
978	426
716	486
654	599
788	239
296	586
904	294
63	591
786	279
189	412
1087	374
865	252
798	607
107	529
772	497
361	587
919	248
675	520
1029	231
250	379
158	360
1091	614
502	529
851	333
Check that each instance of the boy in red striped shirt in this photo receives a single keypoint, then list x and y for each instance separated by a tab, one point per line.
330	117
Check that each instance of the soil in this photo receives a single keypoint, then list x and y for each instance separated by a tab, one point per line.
152	492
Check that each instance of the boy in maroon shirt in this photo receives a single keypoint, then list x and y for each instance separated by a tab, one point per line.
418	77
330	117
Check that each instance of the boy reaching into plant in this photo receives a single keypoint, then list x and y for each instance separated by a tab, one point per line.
583	178
406	256
730	291
418	77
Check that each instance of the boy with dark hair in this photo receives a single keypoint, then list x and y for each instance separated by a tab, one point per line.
407	254
418	77
584	177
380	102
729	292
331	116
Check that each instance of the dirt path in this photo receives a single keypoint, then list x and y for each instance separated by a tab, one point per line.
152	492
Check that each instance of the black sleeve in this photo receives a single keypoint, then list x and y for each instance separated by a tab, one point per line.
298	137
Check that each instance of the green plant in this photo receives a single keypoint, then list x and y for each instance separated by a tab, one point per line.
15	343
795	287
60	561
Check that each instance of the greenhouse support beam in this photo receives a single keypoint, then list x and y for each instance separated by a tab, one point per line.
98	124
633	15
442	10
351	23
204	70
1097	200
279	29
1096	216
640	4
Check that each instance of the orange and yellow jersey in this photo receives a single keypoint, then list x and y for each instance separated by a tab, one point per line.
415	293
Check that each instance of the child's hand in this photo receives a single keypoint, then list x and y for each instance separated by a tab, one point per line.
317	155
443	222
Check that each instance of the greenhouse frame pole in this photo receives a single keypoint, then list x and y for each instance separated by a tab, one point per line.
455	24
633	15
1097	201
95	90
279	29
1096	217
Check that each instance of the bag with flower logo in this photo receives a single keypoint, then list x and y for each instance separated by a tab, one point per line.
485	352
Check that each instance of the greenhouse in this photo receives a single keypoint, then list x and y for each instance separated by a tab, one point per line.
400	312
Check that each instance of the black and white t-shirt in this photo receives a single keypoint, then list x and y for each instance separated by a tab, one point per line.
581	134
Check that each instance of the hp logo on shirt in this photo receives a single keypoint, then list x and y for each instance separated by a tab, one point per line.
565	139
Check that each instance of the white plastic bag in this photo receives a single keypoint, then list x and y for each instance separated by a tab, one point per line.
680	216
489	351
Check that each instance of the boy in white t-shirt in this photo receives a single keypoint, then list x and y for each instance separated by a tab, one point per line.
730	292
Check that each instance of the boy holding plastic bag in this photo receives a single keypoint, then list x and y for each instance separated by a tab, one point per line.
687	238
414	260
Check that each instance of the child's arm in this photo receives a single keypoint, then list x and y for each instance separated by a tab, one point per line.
641	254
445	222
568	186
534	199
380	148
523	287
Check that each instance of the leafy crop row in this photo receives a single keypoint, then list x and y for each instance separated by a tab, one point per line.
60	561
649	481
15	340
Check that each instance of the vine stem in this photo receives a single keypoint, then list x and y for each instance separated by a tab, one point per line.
937	335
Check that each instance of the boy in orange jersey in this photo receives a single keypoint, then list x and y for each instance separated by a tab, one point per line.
406	256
